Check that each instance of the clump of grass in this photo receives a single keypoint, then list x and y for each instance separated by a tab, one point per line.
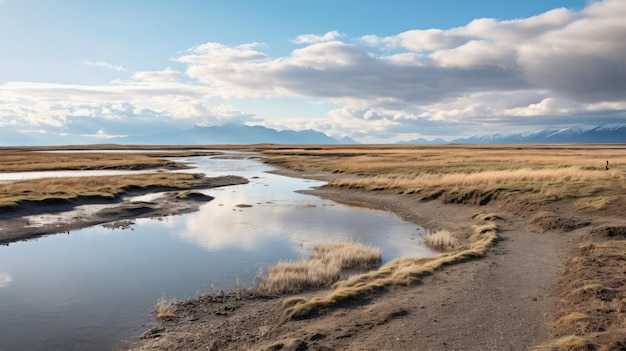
571	343
592	295
440	240
321	269
402	271
165	309
575	322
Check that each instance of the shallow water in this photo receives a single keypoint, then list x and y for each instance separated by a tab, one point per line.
94	287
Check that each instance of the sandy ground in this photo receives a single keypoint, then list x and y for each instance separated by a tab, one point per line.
498	302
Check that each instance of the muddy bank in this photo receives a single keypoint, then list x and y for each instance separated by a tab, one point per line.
34	219
498	302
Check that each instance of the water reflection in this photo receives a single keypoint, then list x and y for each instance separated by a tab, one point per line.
5	279
93	287
277	213
6	177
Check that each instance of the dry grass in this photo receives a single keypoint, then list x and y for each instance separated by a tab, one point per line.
321	269
592	298
402	271
404	159
22	161
441	240
106	187
532	173
165	309
485	177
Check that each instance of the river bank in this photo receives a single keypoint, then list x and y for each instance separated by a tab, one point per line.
32	219
501	301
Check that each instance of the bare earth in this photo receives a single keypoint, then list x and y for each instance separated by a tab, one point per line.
499	302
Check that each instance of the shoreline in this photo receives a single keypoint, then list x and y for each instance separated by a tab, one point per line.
495	302
32	220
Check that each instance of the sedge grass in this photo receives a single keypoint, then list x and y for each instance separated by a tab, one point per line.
401	271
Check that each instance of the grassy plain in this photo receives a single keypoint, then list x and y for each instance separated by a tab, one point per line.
573	180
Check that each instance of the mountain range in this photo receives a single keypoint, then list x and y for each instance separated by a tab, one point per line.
242	134
603	134
233	134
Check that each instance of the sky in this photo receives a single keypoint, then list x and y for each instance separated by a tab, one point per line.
73	71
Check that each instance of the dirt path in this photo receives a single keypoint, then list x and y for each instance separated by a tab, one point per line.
498	302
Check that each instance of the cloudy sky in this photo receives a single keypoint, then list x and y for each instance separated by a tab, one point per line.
376	71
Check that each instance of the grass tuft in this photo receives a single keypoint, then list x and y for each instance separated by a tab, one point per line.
571	343
165	309
321	269
441	240
401	271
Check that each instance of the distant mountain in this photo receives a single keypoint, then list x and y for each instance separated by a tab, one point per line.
233	134
603	134
424	141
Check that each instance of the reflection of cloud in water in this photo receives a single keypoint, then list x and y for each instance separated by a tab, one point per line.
5	279
217	227
279	214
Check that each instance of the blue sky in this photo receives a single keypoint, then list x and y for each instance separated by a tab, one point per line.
377	71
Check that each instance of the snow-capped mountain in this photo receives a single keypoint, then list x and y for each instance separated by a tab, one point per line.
580	134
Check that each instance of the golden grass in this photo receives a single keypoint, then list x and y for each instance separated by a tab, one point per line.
108	187
401	271
22	161
165	309
321	269
441	240
532	173
592	298
487	177
571	343
402	159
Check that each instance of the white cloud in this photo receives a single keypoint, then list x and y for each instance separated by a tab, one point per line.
313	38
166	75
104	65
